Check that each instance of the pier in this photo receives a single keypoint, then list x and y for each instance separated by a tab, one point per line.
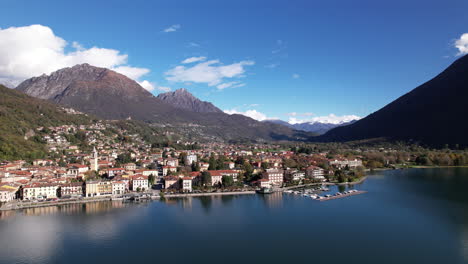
340	196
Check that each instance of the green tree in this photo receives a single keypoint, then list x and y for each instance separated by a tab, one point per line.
206	178
228	181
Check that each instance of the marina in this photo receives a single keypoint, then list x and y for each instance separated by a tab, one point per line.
313	193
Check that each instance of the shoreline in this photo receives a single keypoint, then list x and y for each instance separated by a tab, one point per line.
19	206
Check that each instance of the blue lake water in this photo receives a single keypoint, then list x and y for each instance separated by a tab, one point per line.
407	216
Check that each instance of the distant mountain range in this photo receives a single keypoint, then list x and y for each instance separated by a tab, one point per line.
318	128
110	95
433	113
182	99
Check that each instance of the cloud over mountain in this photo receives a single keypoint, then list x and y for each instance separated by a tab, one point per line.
34	50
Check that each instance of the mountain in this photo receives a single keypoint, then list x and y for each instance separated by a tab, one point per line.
183	99
20	115
314	127
110	95
433	113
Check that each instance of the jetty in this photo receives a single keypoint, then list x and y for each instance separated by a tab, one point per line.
325	198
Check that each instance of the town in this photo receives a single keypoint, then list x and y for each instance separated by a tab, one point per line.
113	165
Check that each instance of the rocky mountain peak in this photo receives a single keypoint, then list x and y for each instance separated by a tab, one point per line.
182	98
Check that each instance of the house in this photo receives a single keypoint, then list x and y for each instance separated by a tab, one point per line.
74	189
167	169
129	166
315	172
112	172
172	162
139	182
171	182
187	184
191	158
217	176
274	176
39	190
294	175
8	193
118	187
263	183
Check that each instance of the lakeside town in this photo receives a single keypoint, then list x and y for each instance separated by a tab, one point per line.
111	166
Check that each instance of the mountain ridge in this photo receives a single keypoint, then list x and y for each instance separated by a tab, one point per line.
110	95
429	114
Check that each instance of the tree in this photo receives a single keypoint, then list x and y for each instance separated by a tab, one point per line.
248	170
206	178
212	162
195	166
228	181
151	179
265	165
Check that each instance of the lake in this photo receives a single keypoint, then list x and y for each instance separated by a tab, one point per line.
407	216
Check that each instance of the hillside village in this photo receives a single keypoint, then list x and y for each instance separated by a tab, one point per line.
105	164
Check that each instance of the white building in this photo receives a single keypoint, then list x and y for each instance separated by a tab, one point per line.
315	172
190	159
274	176
118	187
139	182
39	191
187	184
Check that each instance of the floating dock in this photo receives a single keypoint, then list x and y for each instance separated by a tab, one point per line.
340	196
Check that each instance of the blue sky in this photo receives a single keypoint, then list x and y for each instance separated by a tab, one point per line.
278	57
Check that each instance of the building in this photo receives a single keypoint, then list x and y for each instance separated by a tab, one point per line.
8	193
130	166
112	172
187	184
39	190
118	187
341	163
217	175
139	182
74	189
190	159
171	182
263	183
274	176
94	160
315	172
98	188
294	175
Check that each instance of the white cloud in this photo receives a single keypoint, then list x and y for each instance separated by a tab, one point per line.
193	59
462	44
150	86
296	76
147	85
223	86
331	118
131	72
172	28
300	114
254	114
210	72
34	50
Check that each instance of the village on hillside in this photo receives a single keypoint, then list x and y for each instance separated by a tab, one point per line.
109	166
